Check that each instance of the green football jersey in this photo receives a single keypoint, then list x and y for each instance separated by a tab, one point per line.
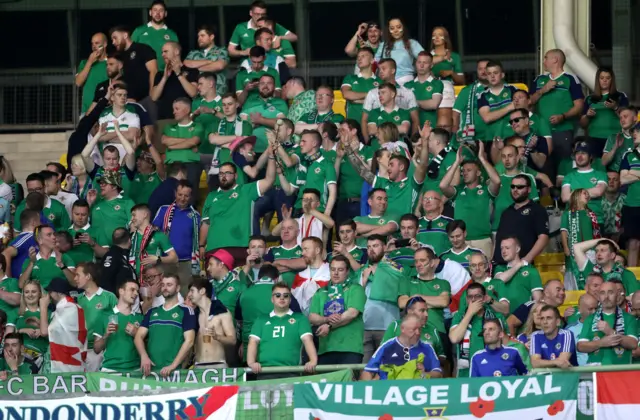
495	102
230	215
326	302
228	290
627	278
432	288
166	332
255	302
10	285
588	179
282	253
120	353
359	84
206	120
224	127
95	309
45	270
519	289
97	75
609	355
606	121
495	288
157	246
53	210
243	34
396	116
402	195
476	342
405	257
428	335
631	162
245	76
453	63
433	233
183	131
425	91
350	185
537	126
461	257
559	99
82	252
23	369
627	144
269	108
30	320
112	214
433	184
464	104
143	186
280	338
473	205
361	241
125	182
214	53
318	118
319	175
155	38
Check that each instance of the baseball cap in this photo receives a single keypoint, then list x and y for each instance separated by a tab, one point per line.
583	146
60	285
224	257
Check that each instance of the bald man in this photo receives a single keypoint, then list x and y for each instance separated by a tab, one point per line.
553	294
176	81
93	70
635	311
586	306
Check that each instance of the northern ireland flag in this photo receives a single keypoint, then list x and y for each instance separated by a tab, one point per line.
617	395
305	285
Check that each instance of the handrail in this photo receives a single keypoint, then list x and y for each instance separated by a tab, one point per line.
588	369
296	369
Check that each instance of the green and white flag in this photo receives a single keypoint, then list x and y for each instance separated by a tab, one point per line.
525	397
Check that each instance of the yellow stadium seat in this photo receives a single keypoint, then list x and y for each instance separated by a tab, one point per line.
635	271
63	160
549	259
339	103
547	276
572	297
337	95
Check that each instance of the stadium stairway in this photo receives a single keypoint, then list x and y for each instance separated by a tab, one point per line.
30	152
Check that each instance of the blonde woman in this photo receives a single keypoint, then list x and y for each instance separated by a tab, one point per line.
534	323
578	224
28	322
447	65
389	138
78	182
10	189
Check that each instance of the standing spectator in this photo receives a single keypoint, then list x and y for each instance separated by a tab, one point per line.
113	210
53	190
467	328
553	294
479	269
544	349
176	81
182	140
587	305
347	246
320	174
264	38
215	326
206	108
600	113
17	250
379	221
28	323
303	100
467	122
440	155
170	329
535	132
288	250
209	58
53	212
150	172
368	35
242	37
180	222
432	230
140	66
276	340
115	331
165	193
96	303
612	202
285	49
66	330
585	177
247	79
248	273
93	70
45	264
472	199
495	359
427	88
9	294
148	245
388	112
524	219
115	267
495	103
10	189
629	176
619	143
316	274
155	33
114	74
560	100
609	336
460	250
578	224
410	344
226	284
399	46
118	114
402	250
228	212
337	312
356	86
522	281
312	222
447	65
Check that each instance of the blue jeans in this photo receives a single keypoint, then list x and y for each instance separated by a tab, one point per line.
346	210
272	200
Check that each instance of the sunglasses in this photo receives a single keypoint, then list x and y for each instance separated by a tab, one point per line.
516	120
282	295
518	187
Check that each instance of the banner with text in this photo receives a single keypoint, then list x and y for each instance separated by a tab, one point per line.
530	397
217	403
91	382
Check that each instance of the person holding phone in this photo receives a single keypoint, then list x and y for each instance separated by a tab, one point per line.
93	70
401	250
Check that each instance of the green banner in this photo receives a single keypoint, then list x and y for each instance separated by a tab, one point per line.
90	382
529	397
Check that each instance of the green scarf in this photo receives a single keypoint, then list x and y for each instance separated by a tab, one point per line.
335	290
619	322
466	341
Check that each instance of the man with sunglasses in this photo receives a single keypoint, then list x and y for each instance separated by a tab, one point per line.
277	339
536	146
526	220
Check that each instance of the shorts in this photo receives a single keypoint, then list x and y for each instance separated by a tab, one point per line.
448	95
630	224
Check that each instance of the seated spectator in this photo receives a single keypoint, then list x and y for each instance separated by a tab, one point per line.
553	294
402	251
545	351
45	264
14	362
324	112
495	359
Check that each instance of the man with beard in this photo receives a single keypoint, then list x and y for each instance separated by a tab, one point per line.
140	66
585	177
609	336
155	33
116	329
148	246
247	80
228	212
466	119
209	58
315	276
381	279
215	323
526	220
170	329
264	109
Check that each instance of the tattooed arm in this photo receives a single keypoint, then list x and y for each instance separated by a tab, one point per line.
360	166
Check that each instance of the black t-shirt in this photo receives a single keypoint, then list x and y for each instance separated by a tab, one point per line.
116	268
173	90
135	73
526	223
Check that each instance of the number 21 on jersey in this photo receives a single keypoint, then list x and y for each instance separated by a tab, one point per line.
278	331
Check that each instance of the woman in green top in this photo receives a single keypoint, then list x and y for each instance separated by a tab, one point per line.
448	67
578	224
28	323
599	117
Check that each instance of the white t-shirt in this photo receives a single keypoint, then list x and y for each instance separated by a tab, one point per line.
307	227
65	198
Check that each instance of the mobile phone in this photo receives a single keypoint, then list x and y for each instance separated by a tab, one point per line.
78	235
257	260
401	243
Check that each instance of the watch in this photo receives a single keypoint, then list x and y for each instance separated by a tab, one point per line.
61	265
159	261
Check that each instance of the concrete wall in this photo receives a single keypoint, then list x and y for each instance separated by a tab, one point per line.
29	152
